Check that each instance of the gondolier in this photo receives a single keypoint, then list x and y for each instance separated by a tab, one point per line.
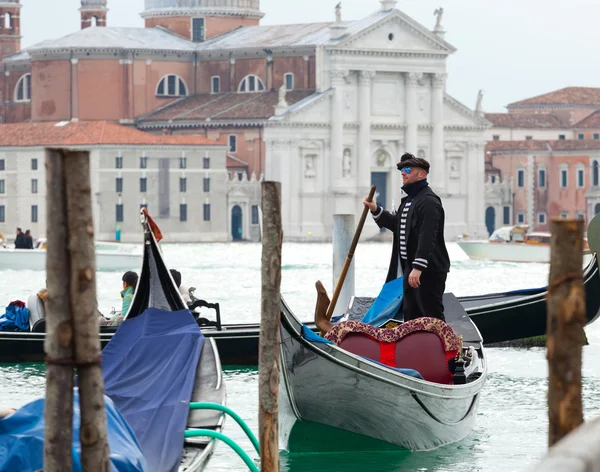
419	251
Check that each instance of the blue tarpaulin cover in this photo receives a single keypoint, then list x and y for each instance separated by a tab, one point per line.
387	305
149	369
22	439
16	317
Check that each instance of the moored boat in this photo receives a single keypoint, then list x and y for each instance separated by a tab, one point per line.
157	363
514	244
109	256
504	316
163	385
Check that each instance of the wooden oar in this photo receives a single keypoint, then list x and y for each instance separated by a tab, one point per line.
320	317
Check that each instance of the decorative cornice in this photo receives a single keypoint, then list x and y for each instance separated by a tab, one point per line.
384	53
5	4
87	51
481	123
208	11
553	105
201	124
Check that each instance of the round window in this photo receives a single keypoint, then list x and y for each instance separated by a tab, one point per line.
391	36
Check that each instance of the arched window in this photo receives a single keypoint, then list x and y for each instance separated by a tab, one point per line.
94	21
595	174
251	83
23	89
8	21
171	86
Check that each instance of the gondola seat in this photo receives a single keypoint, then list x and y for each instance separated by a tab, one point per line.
424	345
37	311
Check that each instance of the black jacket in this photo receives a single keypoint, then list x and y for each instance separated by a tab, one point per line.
424	236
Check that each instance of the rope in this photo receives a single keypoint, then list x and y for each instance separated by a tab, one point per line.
569	277
72	362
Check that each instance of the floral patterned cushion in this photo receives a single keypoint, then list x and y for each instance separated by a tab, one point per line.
390	335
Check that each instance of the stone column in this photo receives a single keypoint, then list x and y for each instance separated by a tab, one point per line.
363	156
476	190
337	126
410	142
438	158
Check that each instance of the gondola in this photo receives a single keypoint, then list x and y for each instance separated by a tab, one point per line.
161	337
399	393
155	365
499	317
513	315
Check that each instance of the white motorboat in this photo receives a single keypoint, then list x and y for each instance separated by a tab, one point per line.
514	244
109	256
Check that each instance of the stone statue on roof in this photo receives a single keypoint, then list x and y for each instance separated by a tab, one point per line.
439	12
338	12
479	105
282	94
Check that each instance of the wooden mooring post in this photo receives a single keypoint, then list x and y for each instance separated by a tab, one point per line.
269	349
72	339
573	445
565	323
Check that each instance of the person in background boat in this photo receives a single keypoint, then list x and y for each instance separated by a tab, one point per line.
20	242
419	252
28	240
130	280
184	291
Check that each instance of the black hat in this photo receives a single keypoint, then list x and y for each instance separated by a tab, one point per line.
408	160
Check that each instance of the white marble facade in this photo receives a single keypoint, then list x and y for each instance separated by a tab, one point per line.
381	92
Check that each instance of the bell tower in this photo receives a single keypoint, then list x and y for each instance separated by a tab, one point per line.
10	27
93	13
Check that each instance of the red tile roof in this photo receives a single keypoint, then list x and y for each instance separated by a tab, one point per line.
565	96
225	106
233	161
531	145
526	120
589	122
88	133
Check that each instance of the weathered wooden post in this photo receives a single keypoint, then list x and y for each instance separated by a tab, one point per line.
565	334
73	335
84	305
58	344
343	232
269	354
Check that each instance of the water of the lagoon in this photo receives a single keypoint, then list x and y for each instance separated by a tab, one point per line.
511	427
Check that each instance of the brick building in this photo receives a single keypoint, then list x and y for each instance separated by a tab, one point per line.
325	108
542	159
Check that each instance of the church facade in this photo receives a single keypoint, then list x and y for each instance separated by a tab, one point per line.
327	109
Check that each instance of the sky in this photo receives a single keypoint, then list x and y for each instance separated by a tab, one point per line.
511	49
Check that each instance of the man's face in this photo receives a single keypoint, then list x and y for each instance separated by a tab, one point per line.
412	174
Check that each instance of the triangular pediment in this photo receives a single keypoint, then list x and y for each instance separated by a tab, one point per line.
393	31
457	114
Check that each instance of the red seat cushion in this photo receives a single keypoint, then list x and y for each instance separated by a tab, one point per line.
421	351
